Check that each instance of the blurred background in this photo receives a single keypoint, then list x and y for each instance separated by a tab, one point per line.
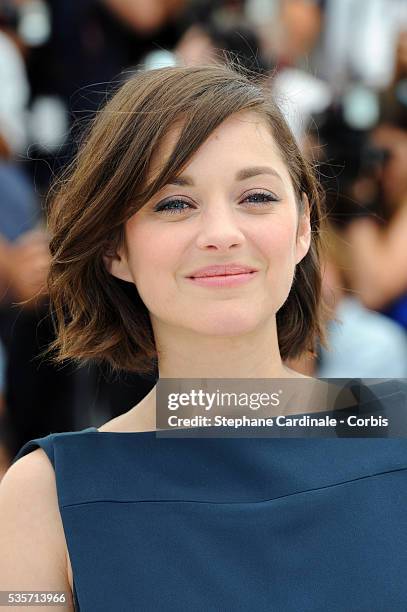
338	69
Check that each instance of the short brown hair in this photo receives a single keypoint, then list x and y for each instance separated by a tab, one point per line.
99	318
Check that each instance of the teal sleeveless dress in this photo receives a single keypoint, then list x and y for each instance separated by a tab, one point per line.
232	524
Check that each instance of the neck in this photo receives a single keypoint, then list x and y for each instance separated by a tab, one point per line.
185	354
254	355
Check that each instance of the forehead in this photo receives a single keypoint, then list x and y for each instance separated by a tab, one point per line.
242	137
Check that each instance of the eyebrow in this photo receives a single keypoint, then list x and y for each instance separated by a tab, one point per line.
241	175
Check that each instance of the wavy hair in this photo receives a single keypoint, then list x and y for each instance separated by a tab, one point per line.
100	318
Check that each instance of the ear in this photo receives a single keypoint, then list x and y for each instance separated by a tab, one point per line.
303	230
116	263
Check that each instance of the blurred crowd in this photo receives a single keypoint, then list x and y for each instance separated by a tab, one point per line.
338	69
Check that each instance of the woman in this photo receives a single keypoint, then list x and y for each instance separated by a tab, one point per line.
184	169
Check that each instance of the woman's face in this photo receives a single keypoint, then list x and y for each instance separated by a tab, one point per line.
233	204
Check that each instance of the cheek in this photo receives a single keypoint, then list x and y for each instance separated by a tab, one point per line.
153	270
277	244
157	260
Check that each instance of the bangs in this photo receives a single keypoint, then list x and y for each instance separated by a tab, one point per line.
201	112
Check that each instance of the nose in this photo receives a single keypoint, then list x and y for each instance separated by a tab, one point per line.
219	228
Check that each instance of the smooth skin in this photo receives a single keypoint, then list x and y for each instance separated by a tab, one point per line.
32	542
199	331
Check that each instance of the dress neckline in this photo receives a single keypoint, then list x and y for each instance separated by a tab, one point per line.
96	430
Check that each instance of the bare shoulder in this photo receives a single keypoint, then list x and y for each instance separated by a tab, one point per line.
34	465
31	530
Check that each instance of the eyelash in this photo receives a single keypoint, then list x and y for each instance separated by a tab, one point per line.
161	207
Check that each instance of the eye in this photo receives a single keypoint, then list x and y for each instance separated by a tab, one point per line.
177	206
262	197
174	206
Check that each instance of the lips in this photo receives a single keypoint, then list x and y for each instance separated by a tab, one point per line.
222	270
